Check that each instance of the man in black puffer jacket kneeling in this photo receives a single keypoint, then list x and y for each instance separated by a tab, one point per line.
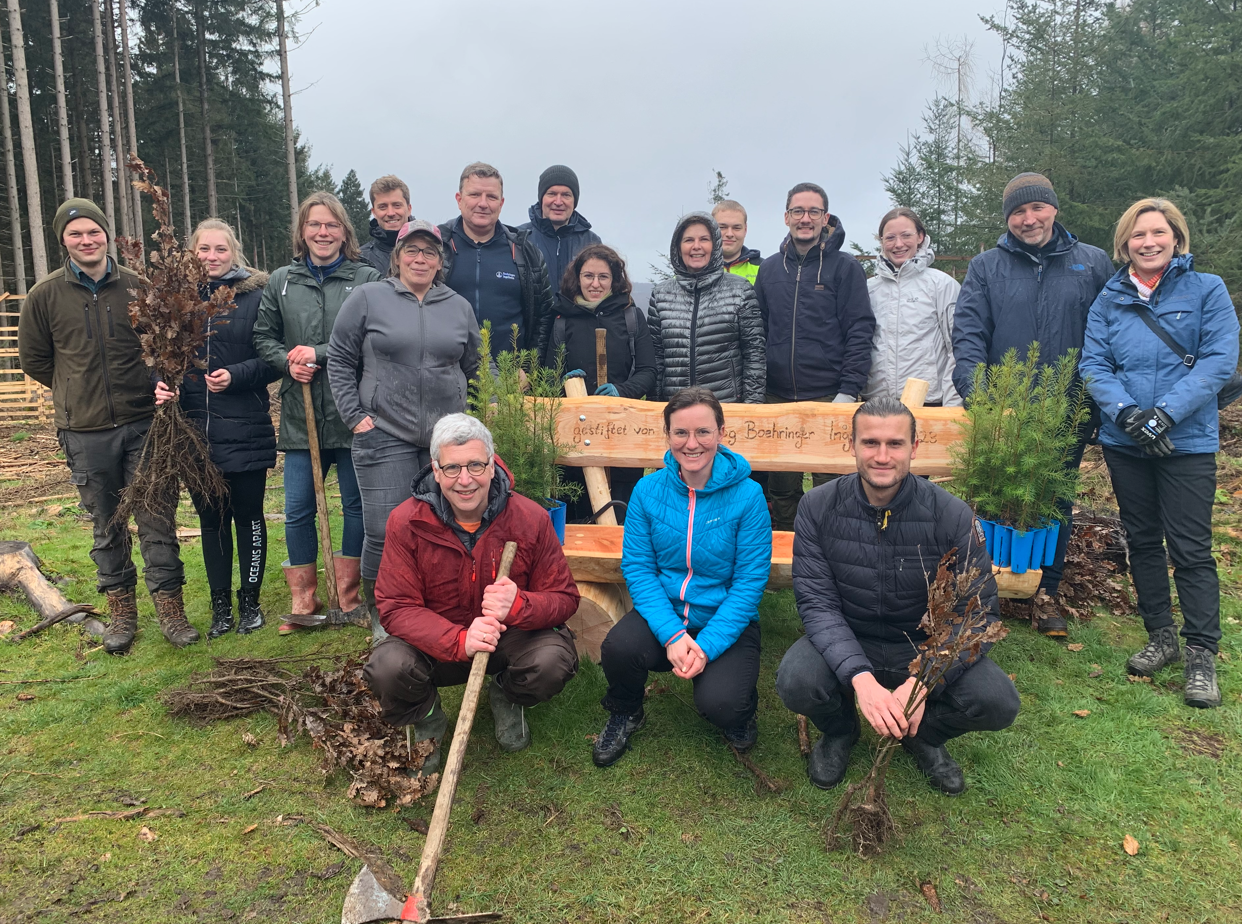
865	549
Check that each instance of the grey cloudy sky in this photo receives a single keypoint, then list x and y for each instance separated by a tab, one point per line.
643	99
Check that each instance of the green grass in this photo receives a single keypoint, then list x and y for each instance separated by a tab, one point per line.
675	832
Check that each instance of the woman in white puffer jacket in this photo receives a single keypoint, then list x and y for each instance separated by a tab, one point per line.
913	305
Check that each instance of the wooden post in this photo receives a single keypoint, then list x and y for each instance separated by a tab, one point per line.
596	478
915	393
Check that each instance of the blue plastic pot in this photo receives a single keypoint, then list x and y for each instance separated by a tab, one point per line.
989	530
1020	550
1004	540
557	513
1037	546
1050	543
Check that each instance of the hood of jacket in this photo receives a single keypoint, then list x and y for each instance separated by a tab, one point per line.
425	488
243	279
577	224
748	255
437	293
831	239
728	468
715	266
922	259
384	239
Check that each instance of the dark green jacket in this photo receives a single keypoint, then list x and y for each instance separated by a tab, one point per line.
81	345
297	310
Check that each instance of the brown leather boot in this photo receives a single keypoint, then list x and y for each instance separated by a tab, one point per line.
303	581
348	580
170	609
122	620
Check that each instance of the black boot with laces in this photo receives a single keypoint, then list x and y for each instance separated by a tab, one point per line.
249	616
221	613
615	738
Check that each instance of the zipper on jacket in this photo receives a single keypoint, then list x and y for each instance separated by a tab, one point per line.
685	615
90	325
881	524
103	354
694	336
793	335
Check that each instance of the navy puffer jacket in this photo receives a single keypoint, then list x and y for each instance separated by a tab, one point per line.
236	421
560	245
861	572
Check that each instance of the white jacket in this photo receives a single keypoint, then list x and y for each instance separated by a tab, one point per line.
913	306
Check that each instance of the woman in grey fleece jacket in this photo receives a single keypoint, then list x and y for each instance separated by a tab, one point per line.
401	355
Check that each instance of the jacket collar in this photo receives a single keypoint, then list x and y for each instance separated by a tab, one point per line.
748	255
909	486
923	258
576	224
384	239
430	502
1122	286
1062	243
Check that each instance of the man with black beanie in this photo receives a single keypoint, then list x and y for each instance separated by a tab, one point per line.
555	226
1035	285
75	338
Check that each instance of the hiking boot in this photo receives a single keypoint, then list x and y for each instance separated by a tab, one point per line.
221	613
941	770
170	609
433	726
249	616
377	630
512	732
829	759
122	621
303	581
1162	648
613	741
744	737
1200	671
1047	618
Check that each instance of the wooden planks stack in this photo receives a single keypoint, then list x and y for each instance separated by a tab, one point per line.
21	397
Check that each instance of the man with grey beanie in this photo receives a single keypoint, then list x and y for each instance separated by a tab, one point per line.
1035	285
556	226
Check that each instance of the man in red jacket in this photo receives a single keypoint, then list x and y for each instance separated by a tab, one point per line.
440	600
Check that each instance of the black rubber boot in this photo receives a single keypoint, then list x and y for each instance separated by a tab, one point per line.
615	738
221	613
1162	648
830	758
941	770
249	616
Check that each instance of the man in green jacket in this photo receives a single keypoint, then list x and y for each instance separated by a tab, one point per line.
74	336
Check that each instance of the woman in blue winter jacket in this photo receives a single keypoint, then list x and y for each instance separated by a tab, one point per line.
1161	341
698	548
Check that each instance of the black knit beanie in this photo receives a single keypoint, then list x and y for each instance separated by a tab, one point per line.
559	175
1028	187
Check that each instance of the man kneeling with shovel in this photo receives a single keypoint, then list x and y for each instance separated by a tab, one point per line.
440	600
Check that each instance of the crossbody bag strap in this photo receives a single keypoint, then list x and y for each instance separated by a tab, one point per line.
1147	317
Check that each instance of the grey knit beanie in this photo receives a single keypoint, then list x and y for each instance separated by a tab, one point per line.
1028	187
77	208
559	175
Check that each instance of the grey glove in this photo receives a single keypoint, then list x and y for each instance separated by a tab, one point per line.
843	398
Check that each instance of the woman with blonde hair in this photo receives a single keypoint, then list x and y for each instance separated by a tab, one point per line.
1161	342
228	400
299	307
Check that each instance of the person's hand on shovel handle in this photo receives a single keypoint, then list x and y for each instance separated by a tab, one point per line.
301	362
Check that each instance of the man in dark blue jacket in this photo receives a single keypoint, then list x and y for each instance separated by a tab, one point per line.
1037	284
556	227
390	210
865	548
819	323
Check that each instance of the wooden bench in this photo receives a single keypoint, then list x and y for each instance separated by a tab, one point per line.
803	437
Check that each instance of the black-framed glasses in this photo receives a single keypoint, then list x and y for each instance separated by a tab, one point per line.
452	470
798	213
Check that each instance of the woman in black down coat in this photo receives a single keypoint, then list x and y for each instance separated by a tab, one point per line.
229	402
705	323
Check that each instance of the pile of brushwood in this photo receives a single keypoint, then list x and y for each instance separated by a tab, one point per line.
331	704
957	628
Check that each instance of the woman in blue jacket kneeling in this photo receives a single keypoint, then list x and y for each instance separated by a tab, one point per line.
1161	429
698	548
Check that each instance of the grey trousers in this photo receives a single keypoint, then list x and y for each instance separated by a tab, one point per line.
385	468
101	463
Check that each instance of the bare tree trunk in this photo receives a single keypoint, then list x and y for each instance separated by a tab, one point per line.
85	175
62	113
105	141
129	108
118	125
185	170
10	164
291	160
25	125
200	29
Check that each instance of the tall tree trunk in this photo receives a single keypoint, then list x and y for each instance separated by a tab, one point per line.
85	175
291	159
200	29
185	170
10	164
62	112
118	125
25	125
129	108
105	141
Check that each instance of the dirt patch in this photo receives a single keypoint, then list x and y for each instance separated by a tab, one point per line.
1199	743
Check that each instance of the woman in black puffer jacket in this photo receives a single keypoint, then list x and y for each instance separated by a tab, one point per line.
705	323
229	402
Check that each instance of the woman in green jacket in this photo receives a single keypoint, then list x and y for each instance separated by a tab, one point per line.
299	307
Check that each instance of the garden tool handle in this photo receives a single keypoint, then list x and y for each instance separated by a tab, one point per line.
601	357
321	500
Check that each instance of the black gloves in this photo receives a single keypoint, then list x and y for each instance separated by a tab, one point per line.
1148	428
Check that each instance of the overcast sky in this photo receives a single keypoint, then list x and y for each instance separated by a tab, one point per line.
642	99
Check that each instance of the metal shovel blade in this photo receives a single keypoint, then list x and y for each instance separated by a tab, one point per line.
368	902
358	616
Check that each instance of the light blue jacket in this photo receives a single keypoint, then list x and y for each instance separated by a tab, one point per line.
698	559
1126	364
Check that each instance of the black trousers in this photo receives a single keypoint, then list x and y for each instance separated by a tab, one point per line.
1170	501
1050	583
725	693
982	698
530	667
241	509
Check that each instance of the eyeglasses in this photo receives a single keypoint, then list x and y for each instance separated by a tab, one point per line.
905	237
452	470
314	226
602	278
798	213
429	252
702	434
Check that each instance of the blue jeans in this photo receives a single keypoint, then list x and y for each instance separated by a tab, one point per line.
301	536
386	467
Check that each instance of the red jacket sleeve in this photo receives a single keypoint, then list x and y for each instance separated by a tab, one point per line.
399	597
550	596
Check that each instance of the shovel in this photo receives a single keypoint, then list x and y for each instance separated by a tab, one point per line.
334	617
367	900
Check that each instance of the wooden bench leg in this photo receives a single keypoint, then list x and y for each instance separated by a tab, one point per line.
601	607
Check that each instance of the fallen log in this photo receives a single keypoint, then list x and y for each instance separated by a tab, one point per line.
20	569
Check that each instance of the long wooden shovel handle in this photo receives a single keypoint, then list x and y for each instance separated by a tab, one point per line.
438	829
601	356
321	500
